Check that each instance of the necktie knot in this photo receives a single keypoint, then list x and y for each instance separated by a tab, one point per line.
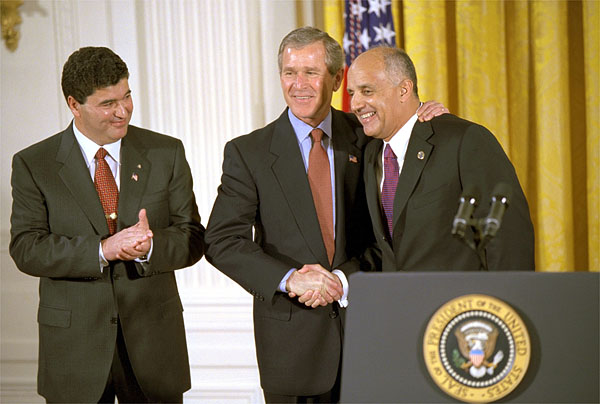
388	153
317	135
101	153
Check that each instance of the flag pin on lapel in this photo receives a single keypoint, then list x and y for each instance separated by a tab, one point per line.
352	158
134	176
421	155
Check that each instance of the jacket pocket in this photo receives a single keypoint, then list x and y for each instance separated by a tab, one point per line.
281	309
54	317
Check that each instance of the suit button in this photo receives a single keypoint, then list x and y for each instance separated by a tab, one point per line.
114	320
333	314
262	299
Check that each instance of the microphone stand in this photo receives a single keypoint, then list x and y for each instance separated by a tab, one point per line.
479	242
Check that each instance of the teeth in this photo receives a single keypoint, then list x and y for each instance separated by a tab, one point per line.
367	115
303	98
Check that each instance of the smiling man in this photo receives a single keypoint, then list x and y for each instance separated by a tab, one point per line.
290	221
103	213
415	173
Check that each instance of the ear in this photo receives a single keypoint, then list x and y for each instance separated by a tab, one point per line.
337	79
74	106
406	90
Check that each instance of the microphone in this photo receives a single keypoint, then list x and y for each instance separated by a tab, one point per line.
500	200
467	203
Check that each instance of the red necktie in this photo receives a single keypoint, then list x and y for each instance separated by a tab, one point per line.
105	184
319	178
390	182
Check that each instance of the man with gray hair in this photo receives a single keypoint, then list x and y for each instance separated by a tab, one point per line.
415	173
290	220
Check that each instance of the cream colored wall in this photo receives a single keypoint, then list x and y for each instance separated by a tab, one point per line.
180	54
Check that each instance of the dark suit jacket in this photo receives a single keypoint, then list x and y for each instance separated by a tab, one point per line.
57	223
265	188
456	152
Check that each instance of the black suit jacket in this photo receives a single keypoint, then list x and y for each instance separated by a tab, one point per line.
265	189
57	223
455	153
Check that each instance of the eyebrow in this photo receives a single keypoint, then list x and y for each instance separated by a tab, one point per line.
104	102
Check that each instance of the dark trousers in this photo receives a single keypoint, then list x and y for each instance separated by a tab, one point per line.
332	396
122	382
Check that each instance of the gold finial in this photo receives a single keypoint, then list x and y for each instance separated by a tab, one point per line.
10	19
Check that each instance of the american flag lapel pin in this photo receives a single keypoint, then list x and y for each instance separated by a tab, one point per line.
352	158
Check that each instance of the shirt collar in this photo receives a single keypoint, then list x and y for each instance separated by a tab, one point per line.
302	129
399	142
89	147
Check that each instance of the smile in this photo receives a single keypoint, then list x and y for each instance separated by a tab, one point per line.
367	115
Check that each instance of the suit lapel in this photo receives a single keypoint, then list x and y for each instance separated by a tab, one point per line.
347	173
372	187
289	170
76	177
417	155
135	170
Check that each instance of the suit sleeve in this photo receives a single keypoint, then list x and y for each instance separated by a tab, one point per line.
36	250
229	234
181	243
484	163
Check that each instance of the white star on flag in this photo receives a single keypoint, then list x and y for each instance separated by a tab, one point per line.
378	6
384	33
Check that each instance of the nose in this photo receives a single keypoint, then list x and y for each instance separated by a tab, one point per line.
356	102
123	108
300	80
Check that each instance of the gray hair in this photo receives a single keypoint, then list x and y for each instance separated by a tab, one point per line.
399	66
301	37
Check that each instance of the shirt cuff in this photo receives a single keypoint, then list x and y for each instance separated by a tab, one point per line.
282	287
103	262
145	258
343	302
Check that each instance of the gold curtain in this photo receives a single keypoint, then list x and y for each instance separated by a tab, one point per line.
530	72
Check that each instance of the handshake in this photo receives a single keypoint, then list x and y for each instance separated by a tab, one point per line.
314	286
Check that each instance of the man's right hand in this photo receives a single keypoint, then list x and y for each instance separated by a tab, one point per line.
130	243
314	285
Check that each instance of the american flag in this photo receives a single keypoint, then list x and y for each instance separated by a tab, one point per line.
369	24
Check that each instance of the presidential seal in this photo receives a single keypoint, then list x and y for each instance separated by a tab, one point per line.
476	348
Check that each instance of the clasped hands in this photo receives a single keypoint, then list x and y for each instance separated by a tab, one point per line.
130	243
314	286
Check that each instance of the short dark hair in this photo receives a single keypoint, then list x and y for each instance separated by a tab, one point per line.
301	37
399	66
89	69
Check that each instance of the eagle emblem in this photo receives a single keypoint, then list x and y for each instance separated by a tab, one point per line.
477	342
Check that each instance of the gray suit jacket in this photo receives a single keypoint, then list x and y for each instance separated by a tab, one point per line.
57	223
264	188
454	152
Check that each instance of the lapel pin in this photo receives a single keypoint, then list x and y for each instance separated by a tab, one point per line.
352	158
134	176
421	155
139	166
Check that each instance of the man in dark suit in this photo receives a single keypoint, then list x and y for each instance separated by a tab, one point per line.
415	173
271	232
103	213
